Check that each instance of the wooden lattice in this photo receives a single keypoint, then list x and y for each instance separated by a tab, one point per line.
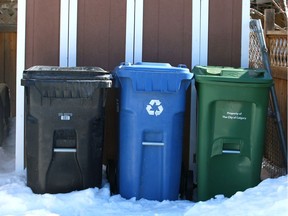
278	50
8	12
255	54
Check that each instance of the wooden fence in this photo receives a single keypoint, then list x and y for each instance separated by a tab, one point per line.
277	46
276	41
8	36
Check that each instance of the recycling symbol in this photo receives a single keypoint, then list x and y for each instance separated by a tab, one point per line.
154	108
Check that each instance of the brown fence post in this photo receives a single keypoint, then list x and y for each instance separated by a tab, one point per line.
269	20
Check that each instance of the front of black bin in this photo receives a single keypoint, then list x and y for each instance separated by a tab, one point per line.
64	127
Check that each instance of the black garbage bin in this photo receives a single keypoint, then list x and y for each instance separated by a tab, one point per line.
64	127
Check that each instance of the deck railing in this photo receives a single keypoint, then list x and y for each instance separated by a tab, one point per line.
276	41
277	46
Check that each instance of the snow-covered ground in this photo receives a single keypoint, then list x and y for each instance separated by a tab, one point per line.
270	197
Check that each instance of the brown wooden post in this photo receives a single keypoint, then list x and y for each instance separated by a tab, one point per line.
269	20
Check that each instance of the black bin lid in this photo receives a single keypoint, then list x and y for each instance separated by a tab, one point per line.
66	73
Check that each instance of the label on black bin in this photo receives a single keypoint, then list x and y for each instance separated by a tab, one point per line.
65	116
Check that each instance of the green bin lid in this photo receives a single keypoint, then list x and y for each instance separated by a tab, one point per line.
231	74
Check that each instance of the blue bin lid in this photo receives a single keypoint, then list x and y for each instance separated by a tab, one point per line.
152	76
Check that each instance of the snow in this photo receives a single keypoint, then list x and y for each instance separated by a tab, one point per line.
270	197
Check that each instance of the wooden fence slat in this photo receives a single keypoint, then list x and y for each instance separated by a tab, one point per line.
10	67
8	64
279	72
2	49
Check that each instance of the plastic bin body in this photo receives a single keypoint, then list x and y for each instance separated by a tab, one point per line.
232	113
152	106
64	127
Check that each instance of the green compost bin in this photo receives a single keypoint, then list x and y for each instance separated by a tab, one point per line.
232	111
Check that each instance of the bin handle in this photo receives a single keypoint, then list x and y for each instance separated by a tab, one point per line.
227	146
153	143
231	146
65	150
230	151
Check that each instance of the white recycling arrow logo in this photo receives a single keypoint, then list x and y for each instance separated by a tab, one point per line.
154	107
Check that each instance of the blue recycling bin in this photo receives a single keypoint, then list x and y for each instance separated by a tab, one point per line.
152	106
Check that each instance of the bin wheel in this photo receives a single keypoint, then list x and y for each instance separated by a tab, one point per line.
189	186
183	180
111	176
